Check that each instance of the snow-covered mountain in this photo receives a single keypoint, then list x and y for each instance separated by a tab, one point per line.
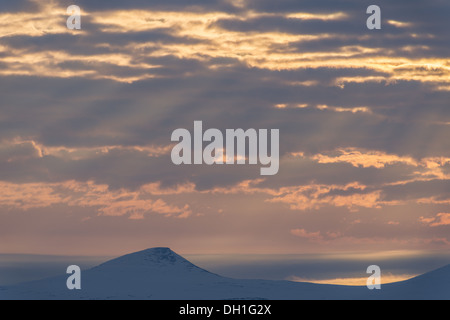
161	274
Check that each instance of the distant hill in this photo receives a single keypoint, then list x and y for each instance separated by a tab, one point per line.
161	274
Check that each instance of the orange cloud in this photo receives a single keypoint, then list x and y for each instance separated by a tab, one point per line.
362	109
264	49
27	196
311	236
108	202
315	196
365	159
441	219
19	148
136	209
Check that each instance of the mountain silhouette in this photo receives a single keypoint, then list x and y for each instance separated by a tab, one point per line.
161	274
159	260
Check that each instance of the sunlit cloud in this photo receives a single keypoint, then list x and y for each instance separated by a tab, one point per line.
134	204
50	19
19	148
361	109
355	281
318	16
136	209
310	236
399	24
317	196
86	117
52	64
343	109
365	159
25	197
272	50
441	219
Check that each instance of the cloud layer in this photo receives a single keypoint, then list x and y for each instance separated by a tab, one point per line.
86	118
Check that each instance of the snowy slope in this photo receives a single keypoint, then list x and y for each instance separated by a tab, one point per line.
433	285
161	274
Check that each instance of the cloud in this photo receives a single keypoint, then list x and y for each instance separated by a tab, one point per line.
137	208
86	116
266	40
28	196
108	202
441	219
317	196
18	150
311	236
365	159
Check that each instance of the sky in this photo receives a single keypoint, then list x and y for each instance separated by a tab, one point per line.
86	118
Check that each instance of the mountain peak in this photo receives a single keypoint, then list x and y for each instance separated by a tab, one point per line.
157	251
159	257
